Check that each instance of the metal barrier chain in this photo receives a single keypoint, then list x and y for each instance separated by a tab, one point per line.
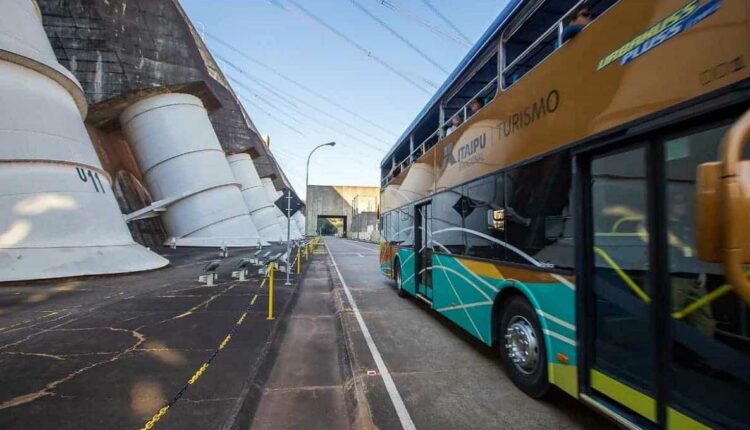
163	410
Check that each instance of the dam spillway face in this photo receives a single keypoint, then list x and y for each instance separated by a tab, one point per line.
262	210
300	220
274	195
58	214
183	163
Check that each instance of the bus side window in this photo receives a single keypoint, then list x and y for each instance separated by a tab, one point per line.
537	215
407	226
483	202
447	223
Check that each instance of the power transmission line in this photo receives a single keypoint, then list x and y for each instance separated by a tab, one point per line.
380	151
314	108
299	85
271	115
435	29
265	100
286	114
352	42
265	84
446	20
399	36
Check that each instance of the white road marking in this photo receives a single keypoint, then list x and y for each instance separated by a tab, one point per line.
361	256
390	386
360	246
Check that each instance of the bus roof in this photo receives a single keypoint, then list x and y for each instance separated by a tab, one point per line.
489	35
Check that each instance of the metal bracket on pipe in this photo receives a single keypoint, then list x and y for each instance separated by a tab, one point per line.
158	206
151	210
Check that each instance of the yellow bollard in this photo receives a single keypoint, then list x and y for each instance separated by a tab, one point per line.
299	262
270	291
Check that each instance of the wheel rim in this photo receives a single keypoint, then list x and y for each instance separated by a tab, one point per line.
521	344
398	279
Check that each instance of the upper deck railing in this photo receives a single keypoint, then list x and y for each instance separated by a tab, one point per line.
506	75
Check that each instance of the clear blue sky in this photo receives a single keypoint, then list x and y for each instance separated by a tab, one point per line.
289	42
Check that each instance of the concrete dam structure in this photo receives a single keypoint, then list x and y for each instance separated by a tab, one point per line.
115	123
183	164
58	215
262	209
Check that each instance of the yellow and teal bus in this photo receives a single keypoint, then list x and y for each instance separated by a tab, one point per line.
583	205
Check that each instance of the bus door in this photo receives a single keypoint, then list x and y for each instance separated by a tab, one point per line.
620	330
423	250
664	338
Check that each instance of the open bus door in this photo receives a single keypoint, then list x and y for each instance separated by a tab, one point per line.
664	322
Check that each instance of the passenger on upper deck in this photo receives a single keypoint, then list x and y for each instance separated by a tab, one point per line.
456	121
580	19
475	105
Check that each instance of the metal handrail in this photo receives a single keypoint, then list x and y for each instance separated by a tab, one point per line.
500	78
531	47
465	106
555	26
422	147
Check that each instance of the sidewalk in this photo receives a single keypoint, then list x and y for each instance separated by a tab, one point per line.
306	386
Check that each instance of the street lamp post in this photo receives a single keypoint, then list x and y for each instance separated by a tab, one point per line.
307	175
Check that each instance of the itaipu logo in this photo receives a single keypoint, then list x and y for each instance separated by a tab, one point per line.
669	27
467	153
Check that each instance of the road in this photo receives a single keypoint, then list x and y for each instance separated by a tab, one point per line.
445	378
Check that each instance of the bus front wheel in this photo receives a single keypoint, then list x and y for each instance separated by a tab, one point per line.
522	345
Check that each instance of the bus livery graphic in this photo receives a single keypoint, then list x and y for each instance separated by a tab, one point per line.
669	27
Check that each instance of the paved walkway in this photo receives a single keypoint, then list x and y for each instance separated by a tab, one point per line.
305	389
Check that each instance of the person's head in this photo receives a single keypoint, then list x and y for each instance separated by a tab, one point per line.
475	105
456	121
581	16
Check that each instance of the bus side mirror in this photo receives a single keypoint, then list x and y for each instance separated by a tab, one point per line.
723	208
722	218
736	207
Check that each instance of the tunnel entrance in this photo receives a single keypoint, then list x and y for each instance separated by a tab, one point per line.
332	225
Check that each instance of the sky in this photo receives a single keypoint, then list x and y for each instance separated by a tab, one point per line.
375	104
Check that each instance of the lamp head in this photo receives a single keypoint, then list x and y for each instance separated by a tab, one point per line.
330	144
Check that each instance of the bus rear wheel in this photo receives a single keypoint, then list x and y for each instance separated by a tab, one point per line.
399	281
522	346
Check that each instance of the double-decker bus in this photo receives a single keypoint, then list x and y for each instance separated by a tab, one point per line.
587	212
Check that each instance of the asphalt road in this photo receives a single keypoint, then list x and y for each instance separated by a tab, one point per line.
446	379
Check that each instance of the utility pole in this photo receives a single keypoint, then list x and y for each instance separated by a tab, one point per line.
288	235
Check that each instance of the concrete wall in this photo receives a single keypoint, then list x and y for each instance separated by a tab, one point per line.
358	204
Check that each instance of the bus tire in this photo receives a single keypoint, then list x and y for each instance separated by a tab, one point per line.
399	281
522	347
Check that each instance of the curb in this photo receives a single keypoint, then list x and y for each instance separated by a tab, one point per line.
358	408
